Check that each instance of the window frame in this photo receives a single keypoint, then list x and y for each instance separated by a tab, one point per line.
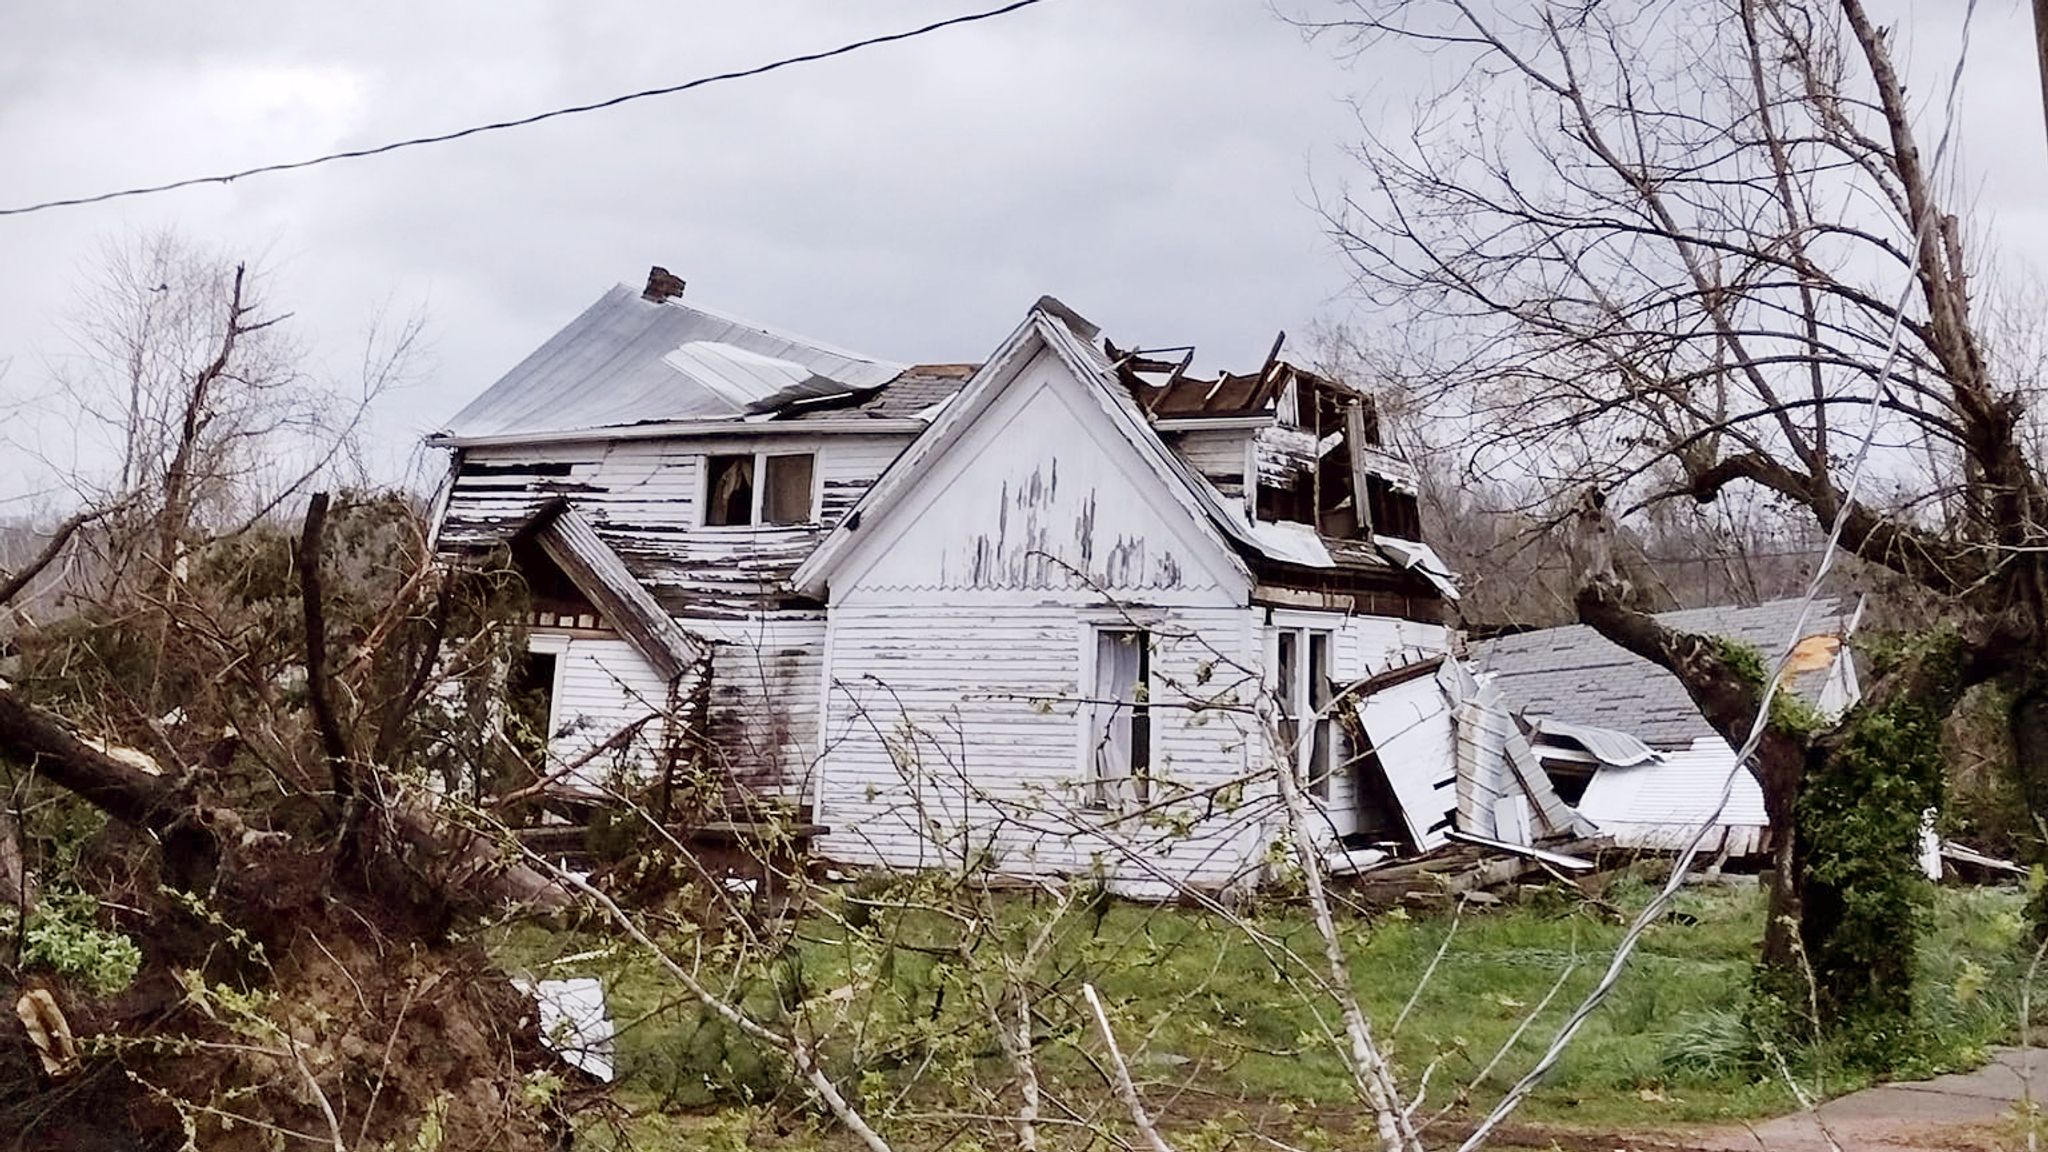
557	646
1296	699
758	504
1135	786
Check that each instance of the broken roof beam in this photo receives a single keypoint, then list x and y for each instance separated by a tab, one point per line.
1174	377
1361	475
597	571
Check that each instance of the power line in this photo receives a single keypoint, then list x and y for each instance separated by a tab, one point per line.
523	121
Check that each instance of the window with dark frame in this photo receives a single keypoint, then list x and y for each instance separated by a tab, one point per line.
1120	748
729	490
787	495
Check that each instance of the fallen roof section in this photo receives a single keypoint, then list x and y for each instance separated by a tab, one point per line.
1658	805
1611	748
1576	675
597	571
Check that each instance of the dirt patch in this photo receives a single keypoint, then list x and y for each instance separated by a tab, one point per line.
288	1005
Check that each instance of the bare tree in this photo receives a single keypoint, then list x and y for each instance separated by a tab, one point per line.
192	405
1677	252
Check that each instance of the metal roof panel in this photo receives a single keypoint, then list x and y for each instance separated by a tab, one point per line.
612	367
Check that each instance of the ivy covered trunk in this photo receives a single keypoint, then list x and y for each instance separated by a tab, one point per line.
2028	725
1856	847
1846	800
1783	920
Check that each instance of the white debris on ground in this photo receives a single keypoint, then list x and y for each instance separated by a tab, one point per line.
574	1024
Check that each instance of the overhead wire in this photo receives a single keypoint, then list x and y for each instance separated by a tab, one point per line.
524	121
1654	910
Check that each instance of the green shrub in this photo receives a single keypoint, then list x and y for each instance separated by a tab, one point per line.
64	935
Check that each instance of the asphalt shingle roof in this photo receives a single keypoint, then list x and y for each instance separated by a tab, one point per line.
1575	674
917	388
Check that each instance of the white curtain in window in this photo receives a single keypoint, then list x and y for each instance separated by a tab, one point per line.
1117	669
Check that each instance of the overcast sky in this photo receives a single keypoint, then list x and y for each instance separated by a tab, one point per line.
1148	161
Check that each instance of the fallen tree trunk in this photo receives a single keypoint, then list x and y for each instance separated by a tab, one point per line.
299	977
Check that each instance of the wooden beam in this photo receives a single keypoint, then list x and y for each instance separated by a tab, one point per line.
1354	437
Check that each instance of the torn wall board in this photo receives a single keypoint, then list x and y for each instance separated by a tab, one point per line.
1498	773
1410	727
1421	559
573	1023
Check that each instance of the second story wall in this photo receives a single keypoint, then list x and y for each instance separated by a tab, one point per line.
690	520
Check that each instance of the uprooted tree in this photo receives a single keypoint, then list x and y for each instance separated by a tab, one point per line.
230	729
1664	253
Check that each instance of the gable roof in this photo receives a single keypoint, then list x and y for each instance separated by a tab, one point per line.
1052	326
1576	675
597	571
629	360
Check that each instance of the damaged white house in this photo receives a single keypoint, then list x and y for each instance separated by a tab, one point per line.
1620	738
1057	612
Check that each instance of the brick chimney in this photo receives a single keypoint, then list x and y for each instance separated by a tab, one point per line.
662	285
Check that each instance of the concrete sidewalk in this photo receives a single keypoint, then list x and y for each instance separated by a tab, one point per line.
1964	1112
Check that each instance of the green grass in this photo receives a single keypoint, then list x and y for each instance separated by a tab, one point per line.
1228	1031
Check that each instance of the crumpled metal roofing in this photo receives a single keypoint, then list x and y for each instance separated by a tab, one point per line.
1579	676
629	360
1659	805
1613	749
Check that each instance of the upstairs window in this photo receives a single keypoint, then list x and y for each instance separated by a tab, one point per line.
729	490
1394	512
788	497
743	488
1120	744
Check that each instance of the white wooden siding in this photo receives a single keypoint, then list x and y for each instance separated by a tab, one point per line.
763	708
644	498
958	729
1039	494
764	697
1220	454
602	686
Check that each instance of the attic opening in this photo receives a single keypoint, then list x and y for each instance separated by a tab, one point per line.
553	600
1322	464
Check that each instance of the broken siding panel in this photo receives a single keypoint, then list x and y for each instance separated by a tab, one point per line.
1364	646
652	482
968	717
1411	730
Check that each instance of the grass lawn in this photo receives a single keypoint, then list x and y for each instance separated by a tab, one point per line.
1225	1037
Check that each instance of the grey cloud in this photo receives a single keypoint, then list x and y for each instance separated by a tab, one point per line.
1148	160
